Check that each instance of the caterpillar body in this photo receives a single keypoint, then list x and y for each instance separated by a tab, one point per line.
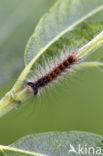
34	86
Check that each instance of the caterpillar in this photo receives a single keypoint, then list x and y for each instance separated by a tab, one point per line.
34	86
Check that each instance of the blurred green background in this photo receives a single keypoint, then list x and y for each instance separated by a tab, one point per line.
76	104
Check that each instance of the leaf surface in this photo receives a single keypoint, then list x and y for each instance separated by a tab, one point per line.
54	144
69	24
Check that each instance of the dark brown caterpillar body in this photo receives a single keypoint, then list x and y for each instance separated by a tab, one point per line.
33	87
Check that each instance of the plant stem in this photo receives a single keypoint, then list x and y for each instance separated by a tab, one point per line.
11	101
90	47
92	64
6	104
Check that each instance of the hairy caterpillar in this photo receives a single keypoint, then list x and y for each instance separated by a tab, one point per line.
34	86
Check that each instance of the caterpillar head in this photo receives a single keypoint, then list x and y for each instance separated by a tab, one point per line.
32	88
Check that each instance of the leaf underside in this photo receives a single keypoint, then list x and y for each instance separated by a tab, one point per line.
66	27
55	144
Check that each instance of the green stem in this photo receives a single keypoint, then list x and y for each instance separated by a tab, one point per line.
6	104
10	101
91	64
90	47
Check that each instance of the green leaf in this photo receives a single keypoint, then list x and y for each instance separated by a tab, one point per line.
55	144
69	22
71	25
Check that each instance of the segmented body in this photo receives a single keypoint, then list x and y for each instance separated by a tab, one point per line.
43	81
